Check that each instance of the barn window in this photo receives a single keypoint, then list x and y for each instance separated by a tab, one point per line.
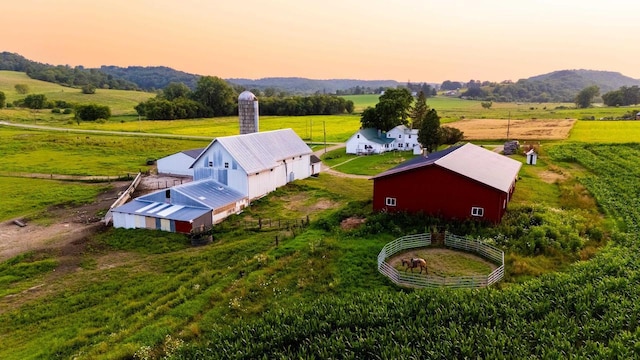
210	163
477	211
358	136
390	201
409	136
226	165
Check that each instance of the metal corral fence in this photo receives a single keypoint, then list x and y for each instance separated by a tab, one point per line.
453	241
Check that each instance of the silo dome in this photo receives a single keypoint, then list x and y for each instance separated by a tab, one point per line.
247	96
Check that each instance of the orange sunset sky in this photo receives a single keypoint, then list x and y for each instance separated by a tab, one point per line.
416	40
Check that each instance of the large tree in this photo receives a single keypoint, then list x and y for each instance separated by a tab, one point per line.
429	133
391	110
3	99
215	94
175	90
586	95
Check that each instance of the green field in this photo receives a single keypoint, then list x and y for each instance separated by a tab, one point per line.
364	165
23	197
121	102
570	235
41	152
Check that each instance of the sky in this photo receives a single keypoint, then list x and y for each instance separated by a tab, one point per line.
403	40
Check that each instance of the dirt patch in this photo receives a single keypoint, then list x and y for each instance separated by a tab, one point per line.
551	177
352	223
446	262
71	225
538	129
300	203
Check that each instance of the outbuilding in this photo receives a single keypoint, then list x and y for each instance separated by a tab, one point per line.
461	182
178	163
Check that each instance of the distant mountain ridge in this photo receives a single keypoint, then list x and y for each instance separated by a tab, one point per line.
605	80
309	86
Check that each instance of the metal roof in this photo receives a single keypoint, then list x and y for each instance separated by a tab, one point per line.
161	210
247	96
261	151
372	135
487	167
209	193
193	153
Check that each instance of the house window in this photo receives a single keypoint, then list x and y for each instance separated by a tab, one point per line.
226	165
399	145
399	136
477	211
390	201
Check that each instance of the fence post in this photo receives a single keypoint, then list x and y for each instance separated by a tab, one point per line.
260	225
276	240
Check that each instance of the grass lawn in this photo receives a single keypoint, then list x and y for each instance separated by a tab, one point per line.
364	165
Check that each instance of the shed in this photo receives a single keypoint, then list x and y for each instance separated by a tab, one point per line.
464	181
532	157
178	163
181	208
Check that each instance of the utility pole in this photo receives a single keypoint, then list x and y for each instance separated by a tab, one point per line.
508	125
324	128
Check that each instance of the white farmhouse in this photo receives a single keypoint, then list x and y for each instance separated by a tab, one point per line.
373	141
257	163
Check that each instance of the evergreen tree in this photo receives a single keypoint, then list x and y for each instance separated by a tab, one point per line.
429	133
419	110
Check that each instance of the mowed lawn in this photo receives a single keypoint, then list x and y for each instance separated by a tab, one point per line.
606	131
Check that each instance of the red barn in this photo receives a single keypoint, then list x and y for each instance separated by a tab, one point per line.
465	181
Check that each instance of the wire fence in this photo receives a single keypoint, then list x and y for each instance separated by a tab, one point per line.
402	278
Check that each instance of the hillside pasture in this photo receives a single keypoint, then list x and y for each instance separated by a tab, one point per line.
121	102
496	129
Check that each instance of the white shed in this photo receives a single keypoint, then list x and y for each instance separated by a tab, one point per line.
178	163
532	157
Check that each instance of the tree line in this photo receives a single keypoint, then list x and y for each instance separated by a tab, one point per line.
63	74
214	97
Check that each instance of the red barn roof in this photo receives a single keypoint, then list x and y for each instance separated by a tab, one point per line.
472	161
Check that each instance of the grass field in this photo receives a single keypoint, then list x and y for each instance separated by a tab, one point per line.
29	197
364	165
606	131
120	102
81	154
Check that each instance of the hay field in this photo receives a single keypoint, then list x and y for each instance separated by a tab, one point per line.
496	129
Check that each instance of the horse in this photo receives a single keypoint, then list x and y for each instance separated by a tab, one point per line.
414	263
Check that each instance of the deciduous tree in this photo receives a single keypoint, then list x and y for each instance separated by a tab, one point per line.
3	100
215	94
391	110
586	95
21	88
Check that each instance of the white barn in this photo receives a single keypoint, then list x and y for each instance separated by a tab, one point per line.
257	163
178	163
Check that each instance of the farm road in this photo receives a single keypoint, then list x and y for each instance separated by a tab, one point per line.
333	172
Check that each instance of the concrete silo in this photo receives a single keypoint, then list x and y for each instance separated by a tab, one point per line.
248	112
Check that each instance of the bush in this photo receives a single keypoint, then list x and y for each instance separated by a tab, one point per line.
55	111
67	111
88	89
92	112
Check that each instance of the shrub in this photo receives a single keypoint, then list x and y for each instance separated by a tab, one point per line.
55	111
92	112
67	111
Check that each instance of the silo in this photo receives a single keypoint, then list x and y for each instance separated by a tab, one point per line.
248	112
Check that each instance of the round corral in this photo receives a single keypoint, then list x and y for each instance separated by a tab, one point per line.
482	264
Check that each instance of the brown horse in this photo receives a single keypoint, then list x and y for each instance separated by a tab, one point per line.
414	263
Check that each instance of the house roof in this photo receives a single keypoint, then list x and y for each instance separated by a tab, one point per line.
314	159
193	153
261	151
372	135
472	161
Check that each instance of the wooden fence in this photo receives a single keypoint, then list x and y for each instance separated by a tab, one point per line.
457	242
124	197
271	224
